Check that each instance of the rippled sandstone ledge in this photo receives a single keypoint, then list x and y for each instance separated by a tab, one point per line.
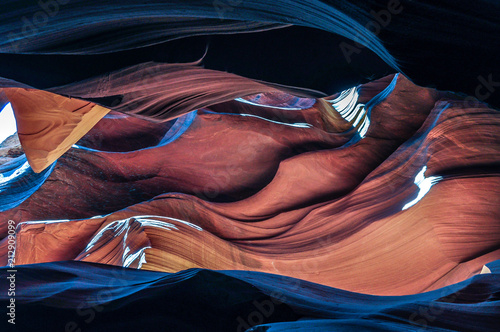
299	189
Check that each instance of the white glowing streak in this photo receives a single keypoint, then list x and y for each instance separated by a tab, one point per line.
43	222
132	258
346	101
342	95
187	223
298	124
126	251
7	123
156	223
241	100
360	115
364	127
119	226
143	258
424	184
352	110
18	172
346	105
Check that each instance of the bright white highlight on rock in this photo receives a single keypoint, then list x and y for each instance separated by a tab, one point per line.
187	223
364	127
7	122
297	124
342	102
241	100
348	107
141	255
18	172
118	227
424	184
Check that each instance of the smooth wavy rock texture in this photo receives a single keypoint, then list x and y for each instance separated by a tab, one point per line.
248	166
301	199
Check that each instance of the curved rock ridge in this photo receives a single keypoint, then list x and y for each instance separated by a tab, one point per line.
50	122
405	203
